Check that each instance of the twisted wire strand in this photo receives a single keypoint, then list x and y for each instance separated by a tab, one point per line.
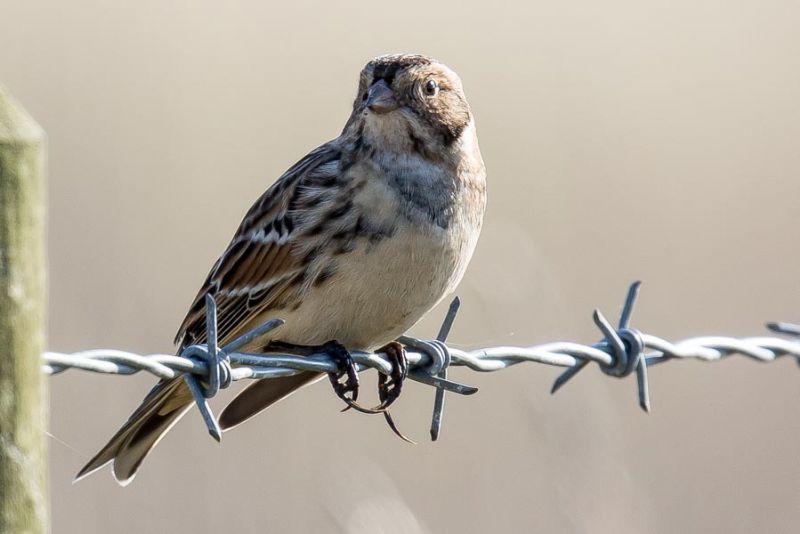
624	350
560	354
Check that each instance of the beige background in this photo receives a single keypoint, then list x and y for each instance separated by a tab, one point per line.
624	140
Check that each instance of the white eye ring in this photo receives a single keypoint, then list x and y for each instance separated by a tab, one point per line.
431	87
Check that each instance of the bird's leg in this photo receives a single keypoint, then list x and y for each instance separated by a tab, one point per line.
389	387
346	368
347	390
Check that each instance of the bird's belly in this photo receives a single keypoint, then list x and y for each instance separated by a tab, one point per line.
379	290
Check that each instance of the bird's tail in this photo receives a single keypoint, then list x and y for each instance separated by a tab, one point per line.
160	409
260	395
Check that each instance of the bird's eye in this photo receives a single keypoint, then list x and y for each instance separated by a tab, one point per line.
364	96
431	88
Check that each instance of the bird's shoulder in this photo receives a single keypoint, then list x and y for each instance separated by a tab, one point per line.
258	265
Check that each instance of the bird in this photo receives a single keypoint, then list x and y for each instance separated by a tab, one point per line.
351	246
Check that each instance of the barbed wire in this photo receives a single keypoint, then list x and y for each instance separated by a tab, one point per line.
207	368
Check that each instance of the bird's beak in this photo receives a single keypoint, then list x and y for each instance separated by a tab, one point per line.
380	98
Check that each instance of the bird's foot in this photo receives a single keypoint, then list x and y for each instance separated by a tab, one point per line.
346	390
389	387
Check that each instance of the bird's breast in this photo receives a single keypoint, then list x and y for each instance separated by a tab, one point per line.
406	252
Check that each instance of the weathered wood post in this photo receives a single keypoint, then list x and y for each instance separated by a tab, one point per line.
24	504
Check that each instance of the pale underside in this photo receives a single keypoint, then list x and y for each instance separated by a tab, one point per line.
381	289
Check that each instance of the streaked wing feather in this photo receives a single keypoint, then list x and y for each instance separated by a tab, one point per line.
259	265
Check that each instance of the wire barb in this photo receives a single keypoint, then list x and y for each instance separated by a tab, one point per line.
625	346
207	368
218	365
214	359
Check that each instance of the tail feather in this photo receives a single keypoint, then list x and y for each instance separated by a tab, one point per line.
161	408
261	395
166	403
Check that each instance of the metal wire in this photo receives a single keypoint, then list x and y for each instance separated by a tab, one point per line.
207	368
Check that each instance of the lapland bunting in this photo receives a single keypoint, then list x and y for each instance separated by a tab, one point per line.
351	246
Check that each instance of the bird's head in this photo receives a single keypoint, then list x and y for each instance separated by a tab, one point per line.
409	102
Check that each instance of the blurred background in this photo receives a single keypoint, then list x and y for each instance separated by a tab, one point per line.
624	140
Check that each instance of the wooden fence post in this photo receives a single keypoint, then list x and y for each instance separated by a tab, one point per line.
24	503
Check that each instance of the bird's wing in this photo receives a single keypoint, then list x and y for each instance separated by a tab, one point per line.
262	264
255	272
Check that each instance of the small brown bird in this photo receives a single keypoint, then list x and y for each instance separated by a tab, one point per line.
354	243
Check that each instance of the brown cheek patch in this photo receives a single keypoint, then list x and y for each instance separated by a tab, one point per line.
417	145
454	118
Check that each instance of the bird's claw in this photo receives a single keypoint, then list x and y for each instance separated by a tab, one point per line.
346	390
390	387
390	422
345	367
